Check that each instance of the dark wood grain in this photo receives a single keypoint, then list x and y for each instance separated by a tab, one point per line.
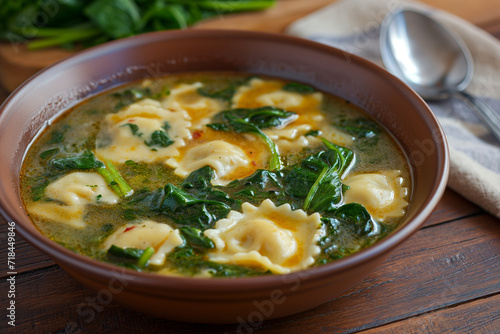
478	316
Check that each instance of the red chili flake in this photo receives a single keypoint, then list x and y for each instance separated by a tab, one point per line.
197	134
254	163
129	228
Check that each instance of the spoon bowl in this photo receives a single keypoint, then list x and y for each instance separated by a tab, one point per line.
430	59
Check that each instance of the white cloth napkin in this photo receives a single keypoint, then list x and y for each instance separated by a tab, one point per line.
354	26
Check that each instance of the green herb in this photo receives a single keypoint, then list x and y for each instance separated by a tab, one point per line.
252	121
134	128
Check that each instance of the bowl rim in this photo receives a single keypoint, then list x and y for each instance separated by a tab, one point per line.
104	270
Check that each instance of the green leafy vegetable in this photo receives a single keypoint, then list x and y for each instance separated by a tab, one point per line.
296	87
139	257
134	128
159	138
348	229
66	22
146	255
195	238
115	180
129	96
86	160
190	262
252	121
366	131
49	153
180	206
317	178
126	253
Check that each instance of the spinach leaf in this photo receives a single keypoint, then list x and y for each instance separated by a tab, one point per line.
257	187
49	153
252	121
198	183
188	261
356	215
86	160
116	18
180	206
129	96
296	87
366	131
126	253
79	22
224	94
195	238
159	138
317	178
139	257
348	229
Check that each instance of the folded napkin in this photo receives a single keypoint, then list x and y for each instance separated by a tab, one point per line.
354	26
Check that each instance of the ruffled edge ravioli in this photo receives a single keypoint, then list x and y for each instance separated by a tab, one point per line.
71	194
144	234
118	142
383	194
272	238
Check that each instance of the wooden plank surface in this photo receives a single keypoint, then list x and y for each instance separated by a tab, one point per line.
444	279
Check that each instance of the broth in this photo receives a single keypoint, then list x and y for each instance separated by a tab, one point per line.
215	175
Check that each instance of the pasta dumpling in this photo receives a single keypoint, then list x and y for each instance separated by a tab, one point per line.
382	194
143	131
71	194
273	238
223	157
146	234
200	108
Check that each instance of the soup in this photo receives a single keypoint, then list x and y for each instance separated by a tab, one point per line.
215	175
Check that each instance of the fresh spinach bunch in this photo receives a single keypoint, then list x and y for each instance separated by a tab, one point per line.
47	23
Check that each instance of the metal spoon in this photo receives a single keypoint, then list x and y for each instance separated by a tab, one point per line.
431	60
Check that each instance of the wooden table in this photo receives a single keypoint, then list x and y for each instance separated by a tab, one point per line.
444	279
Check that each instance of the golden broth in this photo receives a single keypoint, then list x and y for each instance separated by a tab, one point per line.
129	118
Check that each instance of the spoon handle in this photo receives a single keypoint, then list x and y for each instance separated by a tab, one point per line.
484	112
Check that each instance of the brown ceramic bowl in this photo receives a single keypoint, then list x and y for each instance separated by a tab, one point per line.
383	96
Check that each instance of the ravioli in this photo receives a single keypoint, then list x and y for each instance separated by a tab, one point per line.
223	157
273	238
130	133
382	194
185	97
70	195
144	234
